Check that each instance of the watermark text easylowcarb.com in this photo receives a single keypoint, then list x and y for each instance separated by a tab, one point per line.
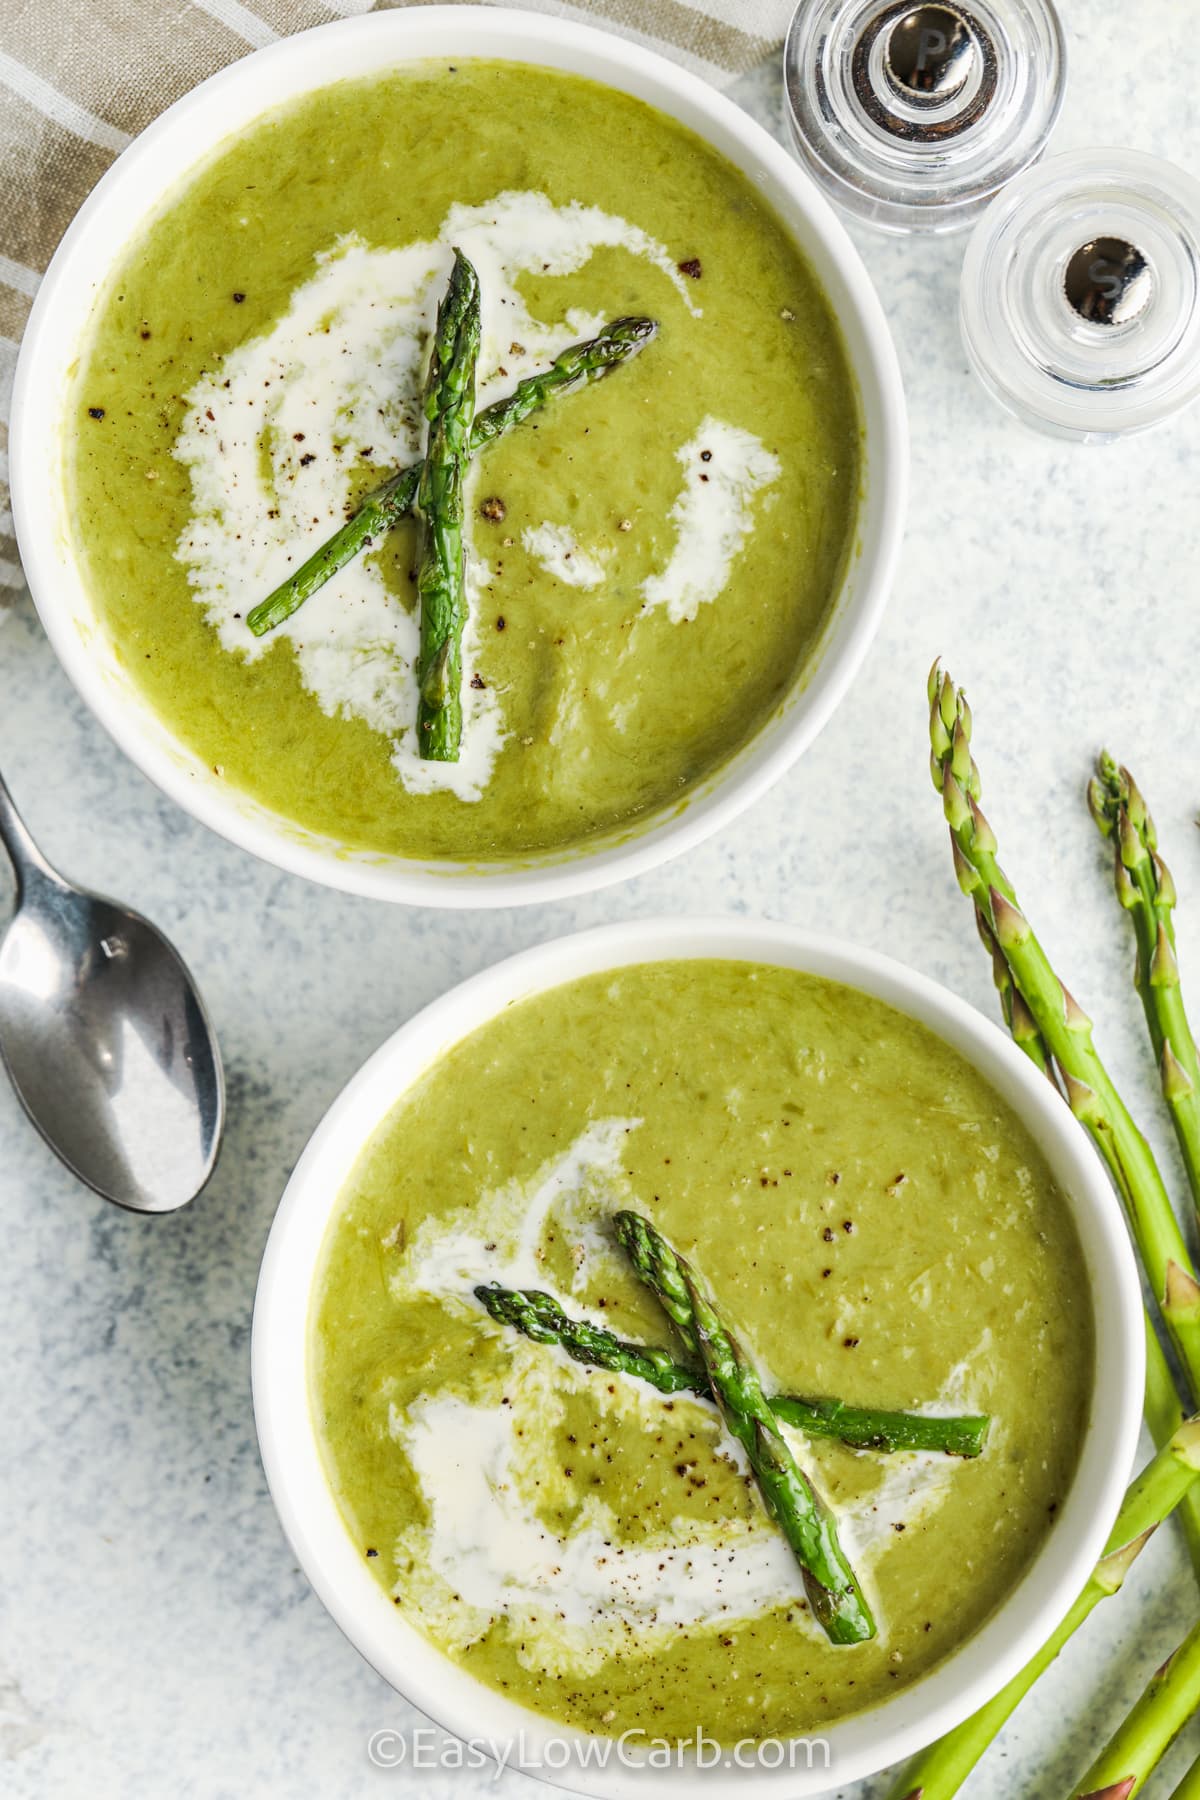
424	1747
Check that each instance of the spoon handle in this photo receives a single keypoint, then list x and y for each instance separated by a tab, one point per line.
27	860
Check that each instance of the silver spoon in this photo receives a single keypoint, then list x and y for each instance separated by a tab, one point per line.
106	1038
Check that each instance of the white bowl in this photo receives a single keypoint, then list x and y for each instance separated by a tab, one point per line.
147	173
859	1745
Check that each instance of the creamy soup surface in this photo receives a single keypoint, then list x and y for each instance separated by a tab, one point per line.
873	1222
652	560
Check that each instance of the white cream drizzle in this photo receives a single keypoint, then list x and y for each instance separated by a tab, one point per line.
724	469
501	1238
560	553
580	1596
575	1599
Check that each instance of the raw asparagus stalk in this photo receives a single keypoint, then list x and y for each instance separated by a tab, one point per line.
385	506
1163	1415
1146	890
938	1772
541	1318
1064	1027
1133	1752
441	562
1161	1405
833	1591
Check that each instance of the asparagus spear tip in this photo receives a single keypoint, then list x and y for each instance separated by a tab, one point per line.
1162	1407
1062	1024
1146	890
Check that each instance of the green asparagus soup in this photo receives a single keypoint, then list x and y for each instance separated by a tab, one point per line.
867	1218
650	559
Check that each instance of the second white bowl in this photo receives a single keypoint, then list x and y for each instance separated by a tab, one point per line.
863	1743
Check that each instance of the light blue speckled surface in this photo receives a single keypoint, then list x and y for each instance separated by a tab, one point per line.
155	1636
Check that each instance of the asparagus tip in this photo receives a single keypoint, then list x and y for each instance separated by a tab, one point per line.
633	326
1116	1790
955	804
1139	812
1097	800
1129	840
1126	886
948	702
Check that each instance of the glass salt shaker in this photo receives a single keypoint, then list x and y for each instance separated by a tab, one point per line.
1080	295
912	117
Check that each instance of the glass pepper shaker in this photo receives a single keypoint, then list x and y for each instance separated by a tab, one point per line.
1080	295
912	117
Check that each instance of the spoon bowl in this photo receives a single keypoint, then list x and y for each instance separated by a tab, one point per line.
106	1039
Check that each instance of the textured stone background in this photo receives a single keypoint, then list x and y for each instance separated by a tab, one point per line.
155	1635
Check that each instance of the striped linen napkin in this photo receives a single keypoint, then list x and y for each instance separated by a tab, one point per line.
80	78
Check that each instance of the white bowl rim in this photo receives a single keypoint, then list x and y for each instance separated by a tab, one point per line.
862	1744
83	260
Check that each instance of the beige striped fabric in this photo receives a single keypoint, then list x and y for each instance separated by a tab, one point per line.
80	78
